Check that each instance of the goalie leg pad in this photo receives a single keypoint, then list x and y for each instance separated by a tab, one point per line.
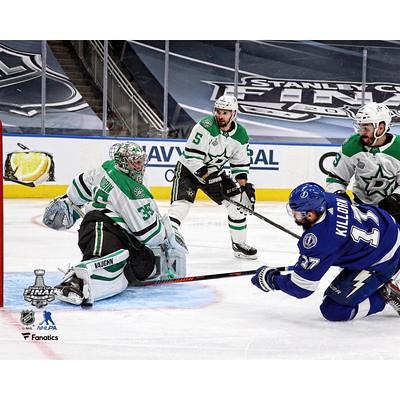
99	278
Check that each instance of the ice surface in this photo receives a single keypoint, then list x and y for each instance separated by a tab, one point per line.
211	320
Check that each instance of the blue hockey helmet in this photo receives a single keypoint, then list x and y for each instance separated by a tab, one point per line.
306	197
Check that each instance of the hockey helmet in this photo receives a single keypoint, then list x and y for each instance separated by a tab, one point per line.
129	158
227	102
307	197
373	113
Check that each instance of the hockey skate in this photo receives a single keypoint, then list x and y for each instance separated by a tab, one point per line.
70	291
243	250
391	293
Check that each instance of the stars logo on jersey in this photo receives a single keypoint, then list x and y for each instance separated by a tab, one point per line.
309	241
379	183
220	159
138	193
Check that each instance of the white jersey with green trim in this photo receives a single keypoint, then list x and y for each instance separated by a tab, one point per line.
376	170
208	146
128	203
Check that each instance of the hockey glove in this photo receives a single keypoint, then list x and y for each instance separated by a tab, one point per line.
264	278
342	193
214	187
391	204
247	197
61	213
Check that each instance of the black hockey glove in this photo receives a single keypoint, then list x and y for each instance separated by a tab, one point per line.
248	195
342	193
264	278
213	188
391	204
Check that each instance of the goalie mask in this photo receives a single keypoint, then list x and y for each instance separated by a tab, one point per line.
129	158
373	113
227	102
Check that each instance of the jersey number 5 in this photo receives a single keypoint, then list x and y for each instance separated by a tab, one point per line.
197	138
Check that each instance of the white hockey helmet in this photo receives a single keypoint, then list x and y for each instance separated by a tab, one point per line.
227	102
373	113
129	158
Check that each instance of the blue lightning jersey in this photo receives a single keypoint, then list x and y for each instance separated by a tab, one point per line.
353	237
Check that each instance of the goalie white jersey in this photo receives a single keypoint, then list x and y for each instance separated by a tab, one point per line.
127	202
376	169
208	145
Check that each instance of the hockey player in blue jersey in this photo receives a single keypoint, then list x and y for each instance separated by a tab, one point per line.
363	240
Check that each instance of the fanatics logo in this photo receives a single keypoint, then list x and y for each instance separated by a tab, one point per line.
309	241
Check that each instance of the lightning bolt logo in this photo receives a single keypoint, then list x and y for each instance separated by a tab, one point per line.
359	281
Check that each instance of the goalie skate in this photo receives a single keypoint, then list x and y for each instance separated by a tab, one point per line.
243	250
391	293
70	291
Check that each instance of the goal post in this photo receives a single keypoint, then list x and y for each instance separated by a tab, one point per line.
1	222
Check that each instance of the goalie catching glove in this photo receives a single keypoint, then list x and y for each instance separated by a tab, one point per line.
61	213
264	278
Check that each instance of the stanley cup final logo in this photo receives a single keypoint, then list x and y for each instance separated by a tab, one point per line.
39	294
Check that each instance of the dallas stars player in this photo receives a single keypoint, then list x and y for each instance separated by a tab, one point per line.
214	141
122	236
372	156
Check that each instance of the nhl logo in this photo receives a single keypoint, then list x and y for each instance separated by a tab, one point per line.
21	72
27	317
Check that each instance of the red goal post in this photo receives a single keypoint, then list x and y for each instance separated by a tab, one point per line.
1	223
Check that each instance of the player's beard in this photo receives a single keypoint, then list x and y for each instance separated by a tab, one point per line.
366	140
222	124
304	223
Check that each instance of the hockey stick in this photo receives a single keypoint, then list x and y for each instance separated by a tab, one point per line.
204	277
256	214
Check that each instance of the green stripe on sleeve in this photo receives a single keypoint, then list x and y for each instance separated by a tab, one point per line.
79	192
333	180
153	234
197	158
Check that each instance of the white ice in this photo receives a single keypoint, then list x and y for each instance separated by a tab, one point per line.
240	323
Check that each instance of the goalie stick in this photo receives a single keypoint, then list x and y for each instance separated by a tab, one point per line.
204	277
256	214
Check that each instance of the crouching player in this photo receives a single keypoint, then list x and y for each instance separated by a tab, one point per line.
122	237
363	240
